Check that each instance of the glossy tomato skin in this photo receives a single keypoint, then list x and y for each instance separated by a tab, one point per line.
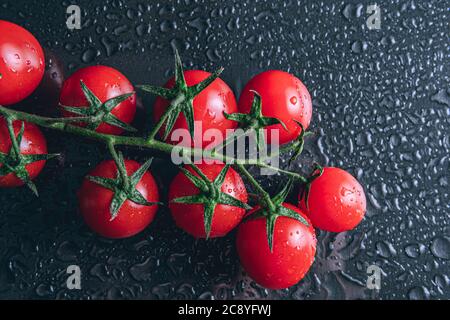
22	63
284	97
189	217
336	201
209	106
294	247
106	83
33	142
94	201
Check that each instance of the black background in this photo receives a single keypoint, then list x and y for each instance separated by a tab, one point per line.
381	110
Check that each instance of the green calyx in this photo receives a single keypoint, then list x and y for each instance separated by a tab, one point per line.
274	209
298	145
210	194
316	172
181	98
254	120
15	162
98	112
124	186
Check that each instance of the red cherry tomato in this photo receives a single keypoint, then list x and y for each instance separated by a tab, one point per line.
294	247
336	201
33	142
106	83
190	217
22	63
132	218
209	106
284	97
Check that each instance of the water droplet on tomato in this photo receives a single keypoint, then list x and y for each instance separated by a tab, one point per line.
293	100
212	114
345	191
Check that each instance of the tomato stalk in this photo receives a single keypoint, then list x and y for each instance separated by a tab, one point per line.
15	144
118	159
158	125
64	125
315	173
265	196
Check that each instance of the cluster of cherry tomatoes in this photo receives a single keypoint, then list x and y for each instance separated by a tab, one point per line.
336	201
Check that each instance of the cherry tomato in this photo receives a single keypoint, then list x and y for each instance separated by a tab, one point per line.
22	63
209	106
33	142
294	247
106	83
336	201
284	97
190	217
132	218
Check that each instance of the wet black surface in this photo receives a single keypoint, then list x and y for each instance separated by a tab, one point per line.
381	110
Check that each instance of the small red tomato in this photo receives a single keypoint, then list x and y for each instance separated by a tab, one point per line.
190	217
336	201
33	142
284	97
22	63
294	247
209	106
132	218
105	83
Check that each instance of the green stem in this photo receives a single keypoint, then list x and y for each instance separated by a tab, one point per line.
153	144
119	164
164	117
157	127
294	175
264	194
230	139
12	136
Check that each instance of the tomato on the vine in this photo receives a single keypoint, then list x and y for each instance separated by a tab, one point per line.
31	144
293	249
220	206
103	94
336	201
22	63
96	200
284	97
208	108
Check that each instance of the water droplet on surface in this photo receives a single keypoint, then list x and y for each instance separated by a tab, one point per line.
440	247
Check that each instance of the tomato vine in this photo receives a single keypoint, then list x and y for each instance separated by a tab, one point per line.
180	97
